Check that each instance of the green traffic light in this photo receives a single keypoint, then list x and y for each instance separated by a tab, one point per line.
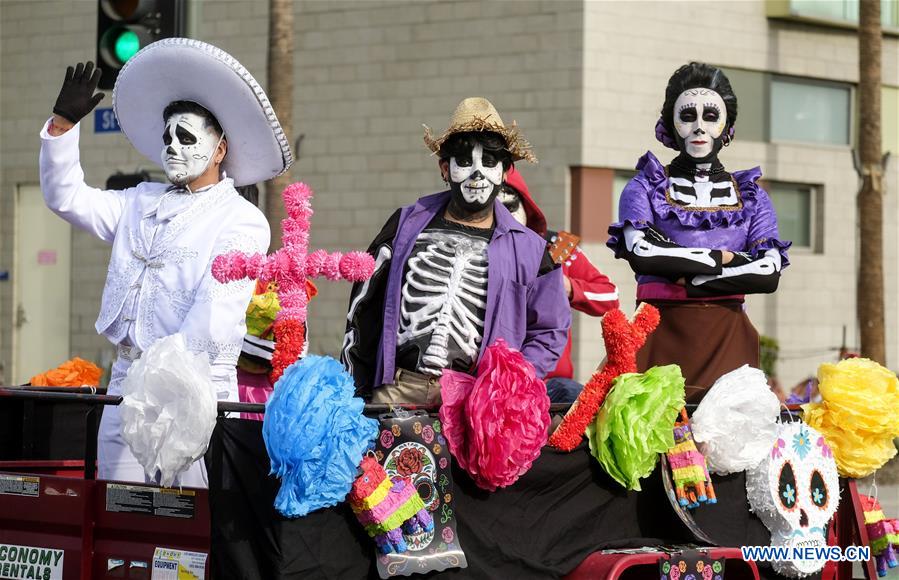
126	45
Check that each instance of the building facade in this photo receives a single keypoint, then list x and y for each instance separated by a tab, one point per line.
585	81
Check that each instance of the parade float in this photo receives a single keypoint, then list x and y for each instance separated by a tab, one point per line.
289	484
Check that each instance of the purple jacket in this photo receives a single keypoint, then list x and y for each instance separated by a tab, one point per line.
644	201
528	311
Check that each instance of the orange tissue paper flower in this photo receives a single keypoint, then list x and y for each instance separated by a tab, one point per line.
75	372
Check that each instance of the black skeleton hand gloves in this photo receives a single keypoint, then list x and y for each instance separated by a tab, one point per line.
76	97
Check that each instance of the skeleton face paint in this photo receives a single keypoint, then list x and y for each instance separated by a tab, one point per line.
188	147
699	119
509	198
475	178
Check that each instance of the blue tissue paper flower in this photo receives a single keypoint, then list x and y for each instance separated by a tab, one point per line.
315	435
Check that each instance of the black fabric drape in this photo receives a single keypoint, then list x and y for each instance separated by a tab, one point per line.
251	541
543	526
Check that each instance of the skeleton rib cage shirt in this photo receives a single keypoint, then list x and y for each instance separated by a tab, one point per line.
444	298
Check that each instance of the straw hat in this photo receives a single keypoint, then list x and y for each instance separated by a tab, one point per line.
479	114
183	69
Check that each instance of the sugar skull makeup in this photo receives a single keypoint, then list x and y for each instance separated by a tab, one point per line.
188	147
475	178
699	119
510	198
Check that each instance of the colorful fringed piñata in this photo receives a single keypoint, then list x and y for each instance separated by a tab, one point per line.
692	484
386	508
883	535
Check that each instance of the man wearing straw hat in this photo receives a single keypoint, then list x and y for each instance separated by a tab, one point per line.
193	109
455	272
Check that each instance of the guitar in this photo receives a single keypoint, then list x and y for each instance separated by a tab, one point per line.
561	247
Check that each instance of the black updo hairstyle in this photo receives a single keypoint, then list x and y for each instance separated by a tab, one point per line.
180	107
698	75
462	143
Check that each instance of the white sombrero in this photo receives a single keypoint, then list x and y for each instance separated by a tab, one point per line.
183	69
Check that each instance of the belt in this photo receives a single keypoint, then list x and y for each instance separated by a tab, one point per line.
128	353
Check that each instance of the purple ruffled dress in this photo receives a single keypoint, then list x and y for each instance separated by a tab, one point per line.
707	337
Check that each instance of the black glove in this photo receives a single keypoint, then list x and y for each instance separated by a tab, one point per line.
76	98
740	259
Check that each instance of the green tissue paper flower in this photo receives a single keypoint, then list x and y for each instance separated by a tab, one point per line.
636	423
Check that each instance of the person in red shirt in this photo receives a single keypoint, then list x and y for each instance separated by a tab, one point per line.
588	289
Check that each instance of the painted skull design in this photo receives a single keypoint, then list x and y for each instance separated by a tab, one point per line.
699	119
415	461
795	492
188	147
477	177
702	192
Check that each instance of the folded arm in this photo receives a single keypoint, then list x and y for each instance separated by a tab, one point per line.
651	253
744	275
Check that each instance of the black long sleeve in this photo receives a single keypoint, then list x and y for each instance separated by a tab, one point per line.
650	253
365	313
743	275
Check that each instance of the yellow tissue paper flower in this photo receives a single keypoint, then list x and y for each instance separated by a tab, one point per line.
856	452
863	394
859	416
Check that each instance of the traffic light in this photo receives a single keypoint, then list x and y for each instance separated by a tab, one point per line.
126	26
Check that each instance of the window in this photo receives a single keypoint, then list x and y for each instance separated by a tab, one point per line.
810	111
842	13
786	108
827	9
752	88
889	13
795	206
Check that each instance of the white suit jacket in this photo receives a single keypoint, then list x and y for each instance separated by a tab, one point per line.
165	278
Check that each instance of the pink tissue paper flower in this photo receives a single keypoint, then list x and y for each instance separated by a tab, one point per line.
495	423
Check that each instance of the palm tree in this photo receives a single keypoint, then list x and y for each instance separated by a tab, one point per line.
280	92
870	196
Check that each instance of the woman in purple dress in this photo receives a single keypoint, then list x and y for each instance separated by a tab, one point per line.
698	237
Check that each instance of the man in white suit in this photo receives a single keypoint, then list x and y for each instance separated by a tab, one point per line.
194	110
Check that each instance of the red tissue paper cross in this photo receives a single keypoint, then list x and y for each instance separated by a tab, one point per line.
289	267
622	339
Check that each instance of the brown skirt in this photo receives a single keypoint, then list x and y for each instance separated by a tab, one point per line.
706	339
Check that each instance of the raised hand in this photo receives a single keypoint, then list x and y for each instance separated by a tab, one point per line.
77	96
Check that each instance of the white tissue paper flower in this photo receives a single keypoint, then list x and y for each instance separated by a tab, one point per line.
168	408
736	422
